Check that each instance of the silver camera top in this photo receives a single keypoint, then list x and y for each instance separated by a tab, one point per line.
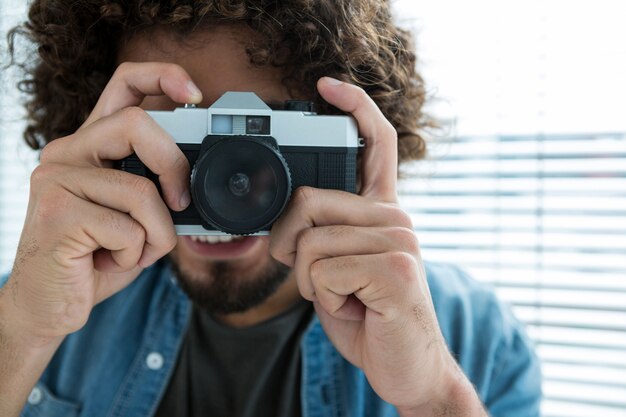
244	113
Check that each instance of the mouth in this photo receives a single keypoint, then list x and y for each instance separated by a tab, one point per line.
215	239
221	247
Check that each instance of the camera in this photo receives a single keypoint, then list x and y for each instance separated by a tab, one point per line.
246	159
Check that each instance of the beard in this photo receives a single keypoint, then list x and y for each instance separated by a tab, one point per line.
221	288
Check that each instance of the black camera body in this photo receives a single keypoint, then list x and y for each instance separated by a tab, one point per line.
246	160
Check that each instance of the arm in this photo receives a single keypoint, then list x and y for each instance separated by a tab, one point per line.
357	259
22	361
455	398
90	229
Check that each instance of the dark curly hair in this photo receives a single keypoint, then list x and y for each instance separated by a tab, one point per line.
354	40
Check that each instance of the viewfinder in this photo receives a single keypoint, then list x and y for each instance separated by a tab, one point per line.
258	125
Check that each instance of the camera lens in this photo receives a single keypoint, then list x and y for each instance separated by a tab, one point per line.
240	184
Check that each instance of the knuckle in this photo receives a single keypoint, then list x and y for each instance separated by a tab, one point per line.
387	130
134	118
306	239
41	175
402	263
304	195
360	93
143	188
180	162
123	69
52	204
399	217
51	151
405	238
171	70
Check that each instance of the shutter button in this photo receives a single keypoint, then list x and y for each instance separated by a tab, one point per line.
35	396
154	361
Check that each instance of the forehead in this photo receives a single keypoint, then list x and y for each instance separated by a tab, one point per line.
215	58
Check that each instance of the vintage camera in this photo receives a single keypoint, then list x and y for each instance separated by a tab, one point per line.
246	159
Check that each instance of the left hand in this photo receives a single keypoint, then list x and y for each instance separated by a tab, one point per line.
357	259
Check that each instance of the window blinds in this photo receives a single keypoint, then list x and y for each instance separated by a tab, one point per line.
542	218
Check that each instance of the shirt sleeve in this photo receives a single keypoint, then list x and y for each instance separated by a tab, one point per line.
515	385
488	342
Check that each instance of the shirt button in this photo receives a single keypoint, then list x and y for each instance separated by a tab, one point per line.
154	361
35	396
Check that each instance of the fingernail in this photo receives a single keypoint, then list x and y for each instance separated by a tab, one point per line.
333	81
185	199
194	91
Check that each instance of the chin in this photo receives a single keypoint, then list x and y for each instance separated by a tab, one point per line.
225	286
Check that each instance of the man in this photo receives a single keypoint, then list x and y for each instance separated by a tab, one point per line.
334	313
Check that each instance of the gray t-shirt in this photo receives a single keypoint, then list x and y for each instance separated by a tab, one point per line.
229	372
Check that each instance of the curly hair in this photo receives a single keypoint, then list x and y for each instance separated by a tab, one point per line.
352	40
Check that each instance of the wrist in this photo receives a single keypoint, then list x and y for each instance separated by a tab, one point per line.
15	332
451	395
22	358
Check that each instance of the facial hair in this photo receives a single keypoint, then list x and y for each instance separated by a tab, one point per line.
220	289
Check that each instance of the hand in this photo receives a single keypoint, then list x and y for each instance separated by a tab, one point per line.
357	259
91	229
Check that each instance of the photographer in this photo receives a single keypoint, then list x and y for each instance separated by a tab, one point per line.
107	312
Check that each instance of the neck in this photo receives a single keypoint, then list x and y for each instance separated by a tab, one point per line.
284	298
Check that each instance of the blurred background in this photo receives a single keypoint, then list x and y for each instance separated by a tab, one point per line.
524	186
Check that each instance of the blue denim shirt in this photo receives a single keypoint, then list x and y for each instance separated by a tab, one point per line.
120	362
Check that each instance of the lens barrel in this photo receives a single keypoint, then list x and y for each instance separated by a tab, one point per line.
240	184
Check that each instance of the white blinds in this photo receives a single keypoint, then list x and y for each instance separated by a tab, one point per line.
543	219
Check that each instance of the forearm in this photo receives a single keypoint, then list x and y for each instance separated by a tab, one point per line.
22	361
458	398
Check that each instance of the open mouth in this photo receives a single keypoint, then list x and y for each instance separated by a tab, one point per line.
216	239
222	247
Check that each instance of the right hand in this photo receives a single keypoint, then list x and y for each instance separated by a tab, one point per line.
90	229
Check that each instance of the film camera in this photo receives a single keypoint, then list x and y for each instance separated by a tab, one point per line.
247	158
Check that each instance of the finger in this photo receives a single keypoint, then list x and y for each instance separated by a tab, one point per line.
380	159
310	207
351	310
95	227
118	136
384	283
109	283
132	82
325	242
126	193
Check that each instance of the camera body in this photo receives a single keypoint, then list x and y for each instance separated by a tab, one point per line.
246	159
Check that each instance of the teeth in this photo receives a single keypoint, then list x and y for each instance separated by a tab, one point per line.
215	239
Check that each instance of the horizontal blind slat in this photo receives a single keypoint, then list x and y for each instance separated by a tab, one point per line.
584	393
558	408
